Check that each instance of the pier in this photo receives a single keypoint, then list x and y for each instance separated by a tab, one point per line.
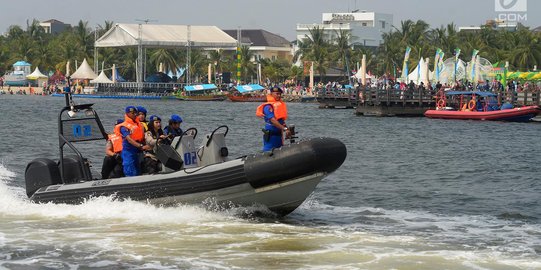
391	102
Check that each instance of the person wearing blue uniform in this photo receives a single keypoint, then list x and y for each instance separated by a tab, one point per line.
142	115
274	112
173	129
133	142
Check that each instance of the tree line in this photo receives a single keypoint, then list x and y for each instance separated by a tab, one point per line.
50	52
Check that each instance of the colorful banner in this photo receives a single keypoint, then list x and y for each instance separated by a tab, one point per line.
473	63
405	65
437	60
457	53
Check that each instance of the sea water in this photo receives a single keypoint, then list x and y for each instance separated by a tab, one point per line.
413	193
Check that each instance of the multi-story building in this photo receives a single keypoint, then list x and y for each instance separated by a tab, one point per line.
366	28
264	44
53	26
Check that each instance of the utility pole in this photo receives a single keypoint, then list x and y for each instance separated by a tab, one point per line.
188	54
96	50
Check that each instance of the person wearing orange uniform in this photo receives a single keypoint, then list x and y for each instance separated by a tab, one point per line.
133	142
274	112
112	163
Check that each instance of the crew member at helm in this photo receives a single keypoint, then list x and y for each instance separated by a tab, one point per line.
133	142
274	112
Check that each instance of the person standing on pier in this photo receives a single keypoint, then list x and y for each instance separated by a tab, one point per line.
274	112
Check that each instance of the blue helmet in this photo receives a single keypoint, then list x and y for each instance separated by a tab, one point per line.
130	109
142	109
176	118
155	118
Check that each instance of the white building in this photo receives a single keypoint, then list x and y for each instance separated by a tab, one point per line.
366	28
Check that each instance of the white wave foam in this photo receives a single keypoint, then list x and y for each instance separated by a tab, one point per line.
13	202
474	231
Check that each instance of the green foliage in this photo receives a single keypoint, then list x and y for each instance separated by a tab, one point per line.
522	49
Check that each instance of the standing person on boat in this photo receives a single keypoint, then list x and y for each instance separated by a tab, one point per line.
112	163
274	112
133	142
173	129
142	115
153	136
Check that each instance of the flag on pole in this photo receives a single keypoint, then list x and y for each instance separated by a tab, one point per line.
437	59
473	62
405	65
457	53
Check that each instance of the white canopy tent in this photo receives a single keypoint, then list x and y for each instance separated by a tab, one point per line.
36	75
418	74
84	72
127	35
164	36
40	78
102	78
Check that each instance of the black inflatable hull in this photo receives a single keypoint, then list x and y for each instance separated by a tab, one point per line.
280	180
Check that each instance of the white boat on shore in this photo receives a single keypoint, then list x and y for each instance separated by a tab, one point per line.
18	76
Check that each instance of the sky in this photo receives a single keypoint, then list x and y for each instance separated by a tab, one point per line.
276	16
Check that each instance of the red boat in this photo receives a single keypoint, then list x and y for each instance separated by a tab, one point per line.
520	114
479	107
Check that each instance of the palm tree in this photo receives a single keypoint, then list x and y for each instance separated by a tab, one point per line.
246	64
317	50
84	38
343	49
527	53
165	57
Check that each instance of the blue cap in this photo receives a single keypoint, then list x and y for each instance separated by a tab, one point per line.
154	118
276	89
142	109
130	109
176	118
119	121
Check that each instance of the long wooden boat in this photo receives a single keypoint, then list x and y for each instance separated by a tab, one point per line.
247	98
202	97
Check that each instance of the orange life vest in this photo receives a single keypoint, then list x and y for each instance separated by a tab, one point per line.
135	128
280	108
116	140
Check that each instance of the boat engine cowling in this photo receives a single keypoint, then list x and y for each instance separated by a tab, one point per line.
41	172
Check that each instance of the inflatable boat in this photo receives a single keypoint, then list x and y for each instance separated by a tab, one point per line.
279	180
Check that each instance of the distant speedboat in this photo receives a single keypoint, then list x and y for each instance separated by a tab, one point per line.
18	76
480	106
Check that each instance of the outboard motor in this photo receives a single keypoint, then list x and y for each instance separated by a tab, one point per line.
213	149
75	169
41	172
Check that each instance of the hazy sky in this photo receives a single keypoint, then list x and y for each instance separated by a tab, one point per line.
277	16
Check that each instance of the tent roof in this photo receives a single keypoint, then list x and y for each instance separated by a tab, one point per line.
36	75
84	72
127	35
102	78
197	87
21	63
249	88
